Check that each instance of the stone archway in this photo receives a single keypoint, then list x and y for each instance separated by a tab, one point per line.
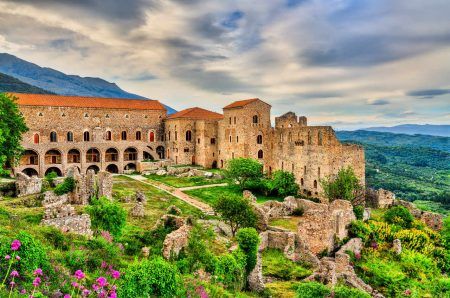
93	167
29	157
30	172
161	152
131	167
54	169
112	168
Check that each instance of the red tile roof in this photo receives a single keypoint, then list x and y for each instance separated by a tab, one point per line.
196	113
25	99
241	103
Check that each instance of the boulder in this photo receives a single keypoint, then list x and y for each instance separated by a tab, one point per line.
176	241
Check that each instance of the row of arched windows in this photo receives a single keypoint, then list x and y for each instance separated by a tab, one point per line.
87	136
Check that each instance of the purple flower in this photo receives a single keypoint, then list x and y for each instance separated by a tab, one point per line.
95	287
17	258
86	293
23	291
12	284
115	274
14	273
104	264
36	281
38	272
79	274
7	257
15	245
358	256
66	296
102	281
74	284
113	295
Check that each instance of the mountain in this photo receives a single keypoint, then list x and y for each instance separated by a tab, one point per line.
61	83
11	84
412	129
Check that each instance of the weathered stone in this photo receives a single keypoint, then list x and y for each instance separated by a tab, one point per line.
141	198
432	220
174	210
176	241
145	251
397	246
379	198
161	172
262	217
138	210
290	204
255	278
27	185
249	195
275	209
208	175
366	214
105	184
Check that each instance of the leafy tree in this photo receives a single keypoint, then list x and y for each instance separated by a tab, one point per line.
244	170
107	215
283	183
230	270
345	185
248	240
236	211
399	215
359	212
12	126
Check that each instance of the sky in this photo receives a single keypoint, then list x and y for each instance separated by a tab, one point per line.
345	63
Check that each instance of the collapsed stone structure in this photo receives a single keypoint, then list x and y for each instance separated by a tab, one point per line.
60	214
27	185
379	198
431	219
139	208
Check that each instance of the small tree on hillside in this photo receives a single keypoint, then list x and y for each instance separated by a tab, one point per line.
236	212
12	126
283	184
244	170
345	185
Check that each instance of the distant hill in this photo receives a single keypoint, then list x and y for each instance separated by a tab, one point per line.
61	83
11	84
412	129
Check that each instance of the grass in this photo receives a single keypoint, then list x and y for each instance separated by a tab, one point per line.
433	207
157	201
179	182
282	289
276	265
290	223
209	195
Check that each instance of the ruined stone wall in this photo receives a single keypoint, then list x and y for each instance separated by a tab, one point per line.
379	198
239	138
44	120
27	185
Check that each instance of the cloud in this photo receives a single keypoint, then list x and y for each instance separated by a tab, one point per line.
378	102
428	93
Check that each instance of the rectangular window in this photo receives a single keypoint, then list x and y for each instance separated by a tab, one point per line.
213	140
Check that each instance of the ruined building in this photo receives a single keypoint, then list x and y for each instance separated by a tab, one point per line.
118	134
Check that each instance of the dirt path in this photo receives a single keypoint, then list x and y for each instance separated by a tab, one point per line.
177	192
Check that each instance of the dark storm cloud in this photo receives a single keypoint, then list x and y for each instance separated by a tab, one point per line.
428	93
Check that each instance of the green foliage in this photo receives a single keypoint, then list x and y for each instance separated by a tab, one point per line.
346	292
32	255
312	290
298	211
235	211
230	270
12	126
359	211
283	184
275	264
445	233
360	230
244	170
442	288
399	215
75	259
50	177
107	215
66	186
415	239
345	185
248	240
151	278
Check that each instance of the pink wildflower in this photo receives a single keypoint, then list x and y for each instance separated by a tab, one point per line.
12	284
17	258
7	257
95	287
407	292
102	281
358	256
38	272
66	296
14	273
79	274
86	293
23	291
74	284
104	264
36	282
113	295
115	274
15	245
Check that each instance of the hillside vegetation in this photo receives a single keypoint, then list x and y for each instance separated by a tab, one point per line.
11	84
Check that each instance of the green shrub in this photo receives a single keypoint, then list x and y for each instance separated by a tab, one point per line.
345	185
58	239
445	232
442	288
312	290
75	259
66	186
275	264
244	170
50	177
107	216
360	230
283	183
151	278
359	211
298	211
32	254
399	215
415	239
346	292
235	211
248	240
230	270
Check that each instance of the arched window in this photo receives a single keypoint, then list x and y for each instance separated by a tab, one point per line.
255	119
315	183
320	138
290	137
259	139
169	135
138	135
36	138
86	136
302	182
318	172
124	135
309	138
260	154
188	135
108	135
237	139
70	136
53	137
92	155
230	138
152	136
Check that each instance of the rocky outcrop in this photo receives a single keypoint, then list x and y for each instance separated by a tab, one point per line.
249	196
89	185
431	219
176	241
105	184
60	214
397	246
138	210
322	224
379	198
27	185
255	278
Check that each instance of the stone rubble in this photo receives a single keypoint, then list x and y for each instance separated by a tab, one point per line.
27	185
397	246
